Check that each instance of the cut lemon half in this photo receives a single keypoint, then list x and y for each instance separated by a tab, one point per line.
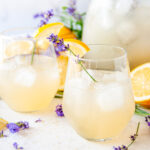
19	47
141	84
79	48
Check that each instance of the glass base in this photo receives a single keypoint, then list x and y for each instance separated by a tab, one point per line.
100	140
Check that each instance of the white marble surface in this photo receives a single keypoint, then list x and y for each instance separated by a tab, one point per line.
55	133
19	13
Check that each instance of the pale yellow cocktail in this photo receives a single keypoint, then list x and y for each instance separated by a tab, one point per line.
27	87
99	109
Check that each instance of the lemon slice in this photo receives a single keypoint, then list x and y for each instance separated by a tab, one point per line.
141	84
48	29
19	47
78	47
66	33
3	124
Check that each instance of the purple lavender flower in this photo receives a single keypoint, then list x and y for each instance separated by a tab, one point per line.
72	2
53	38
45	16
58	44
38	120
59	111
13	127
15	145
133	137
123	147
71	11
147	119
42	22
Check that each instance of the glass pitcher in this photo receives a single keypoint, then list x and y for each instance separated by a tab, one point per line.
125	23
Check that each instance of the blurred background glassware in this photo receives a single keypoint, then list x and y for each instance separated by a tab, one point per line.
99	110
27	82
124	23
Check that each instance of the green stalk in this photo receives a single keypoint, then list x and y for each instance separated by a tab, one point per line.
83	66
33	52
59	94
71	24
136	134
81	29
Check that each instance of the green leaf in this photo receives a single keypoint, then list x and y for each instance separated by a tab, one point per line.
64	7
140	111
83	14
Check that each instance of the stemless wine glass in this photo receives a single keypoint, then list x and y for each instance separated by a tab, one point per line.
99	110
29	76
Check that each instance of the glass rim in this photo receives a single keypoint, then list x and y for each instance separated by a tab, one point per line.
9	30
124	55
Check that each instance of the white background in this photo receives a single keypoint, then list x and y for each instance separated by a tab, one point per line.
17	13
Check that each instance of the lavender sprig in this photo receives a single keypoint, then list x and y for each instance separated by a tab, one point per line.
147	120
72	18
59	111
61	47
132	137
15	145
45	17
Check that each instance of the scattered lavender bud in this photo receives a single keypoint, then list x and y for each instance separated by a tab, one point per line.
16	127
147	119
123	147
15	145
38	120
23	125
13	127
59	111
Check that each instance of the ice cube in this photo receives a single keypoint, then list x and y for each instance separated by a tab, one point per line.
96	74
110	97
78	82
19	60
25	76
127	32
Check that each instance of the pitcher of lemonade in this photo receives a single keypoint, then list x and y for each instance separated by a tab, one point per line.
125	23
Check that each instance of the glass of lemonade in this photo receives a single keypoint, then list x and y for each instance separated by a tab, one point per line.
27	82
99	110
